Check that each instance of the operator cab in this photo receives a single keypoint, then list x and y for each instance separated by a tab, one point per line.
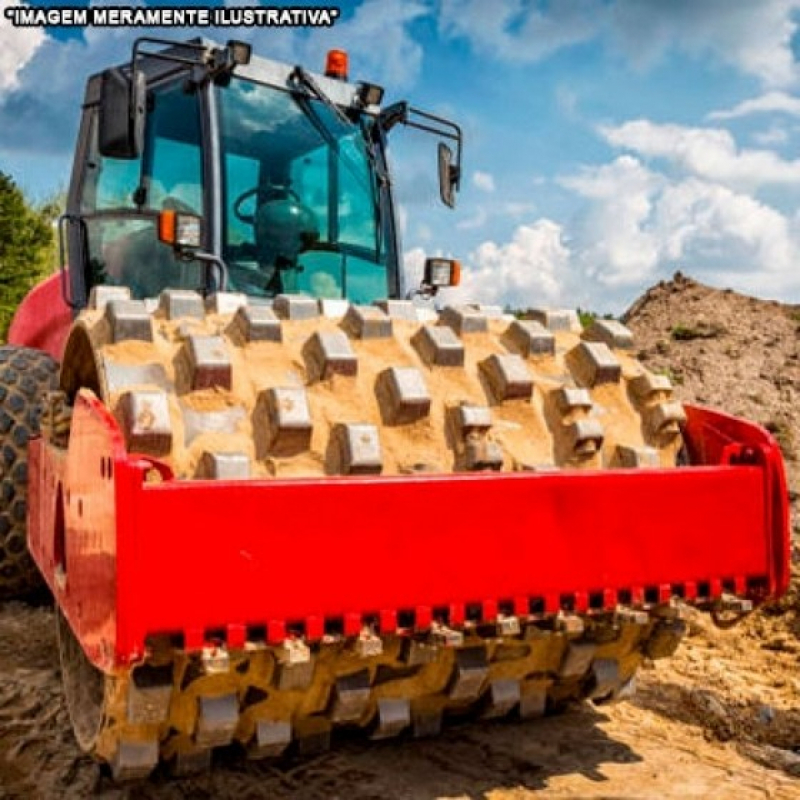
284	172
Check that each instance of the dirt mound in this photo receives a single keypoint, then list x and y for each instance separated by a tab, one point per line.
727	351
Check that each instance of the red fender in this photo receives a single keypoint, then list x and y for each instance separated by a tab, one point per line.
43	319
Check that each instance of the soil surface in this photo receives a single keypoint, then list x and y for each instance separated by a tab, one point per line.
720	719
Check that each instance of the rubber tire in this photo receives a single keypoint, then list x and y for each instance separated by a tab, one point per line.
26	376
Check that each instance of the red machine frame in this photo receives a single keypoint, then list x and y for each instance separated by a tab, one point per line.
130	552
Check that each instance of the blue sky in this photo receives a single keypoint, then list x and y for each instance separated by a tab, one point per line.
607	142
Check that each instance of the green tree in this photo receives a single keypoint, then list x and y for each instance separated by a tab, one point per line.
26	247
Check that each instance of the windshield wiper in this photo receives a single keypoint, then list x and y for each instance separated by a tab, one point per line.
302	78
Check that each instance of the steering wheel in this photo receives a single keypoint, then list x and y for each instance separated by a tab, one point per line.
279	191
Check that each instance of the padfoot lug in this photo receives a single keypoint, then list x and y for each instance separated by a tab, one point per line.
129	319
503	696
595	363
328	353
586	436
295	668
358	449
368	644
134	760
530	338
469	674
533	702
394	716
508	626
577	659
631	616
271	738
101	295
557	319
605	679
405	396
732	604
216	720
438	346
351	697
149	705
569	624
442	636
177	303
367	322
208	363
146	422
216	660
415	652
482	454
610	332
464	319
508	376
295	306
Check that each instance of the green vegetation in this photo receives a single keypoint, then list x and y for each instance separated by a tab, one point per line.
675	377
704	330
683	333
27	247
588	317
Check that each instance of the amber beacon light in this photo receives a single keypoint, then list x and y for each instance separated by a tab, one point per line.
336	65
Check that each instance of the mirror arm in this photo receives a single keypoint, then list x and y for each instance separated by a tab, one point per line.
209	258
429	123
444	128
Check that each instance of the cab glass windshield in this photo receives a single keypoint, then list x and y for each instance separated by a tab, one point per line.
301	210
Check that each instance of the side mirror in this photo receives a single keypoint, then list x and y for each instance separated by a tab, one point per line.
122	114
448	176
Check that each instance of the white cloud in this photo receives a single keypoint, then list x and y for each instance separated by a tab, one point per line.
515	31
483	181
724	232
424	232
567	101
17	47
638	225
530	269
708	153
477	220
615	246
772	136
754	37
517	209
771	102
401	213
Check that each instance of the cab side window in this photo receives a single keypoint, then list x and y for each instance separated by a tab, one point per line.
121	199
